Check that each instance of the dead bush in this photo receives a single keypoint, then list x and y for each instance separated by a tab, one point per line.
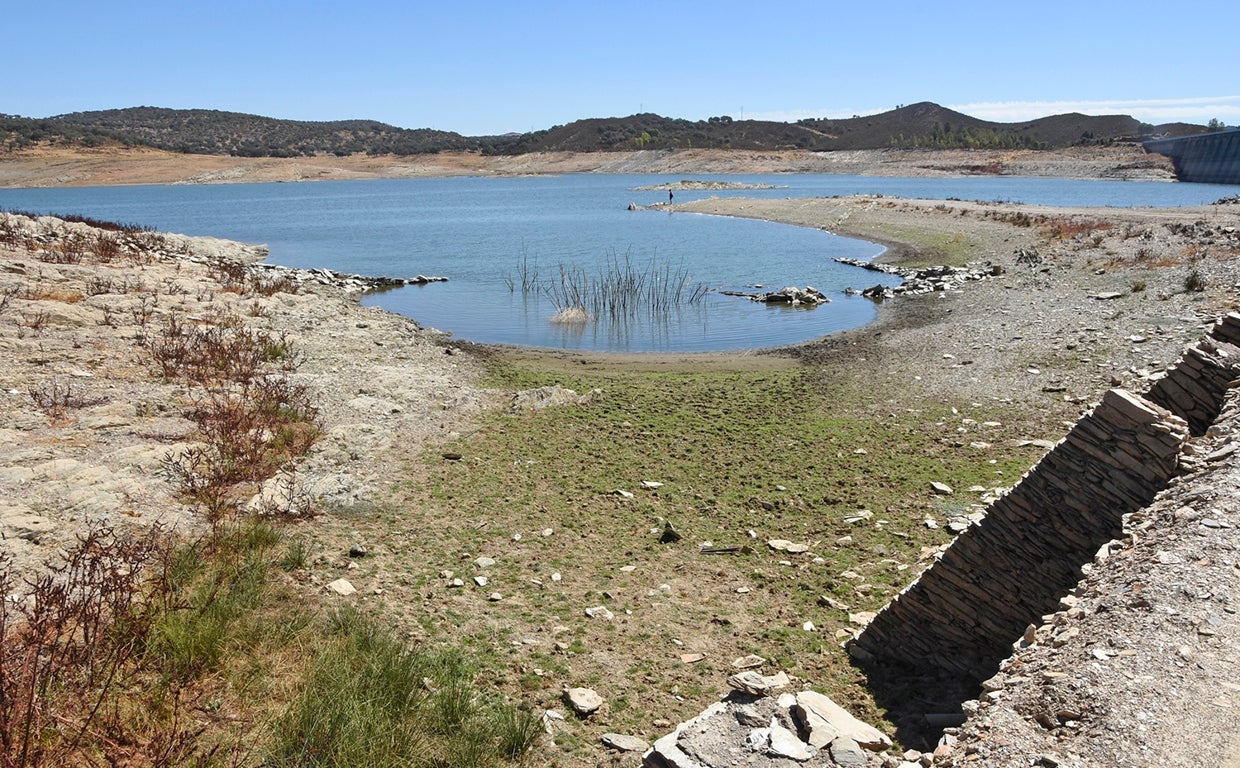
73	687
56	398
215	353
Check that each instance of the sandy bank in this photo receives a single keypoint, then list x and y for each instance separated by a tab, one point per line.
58	167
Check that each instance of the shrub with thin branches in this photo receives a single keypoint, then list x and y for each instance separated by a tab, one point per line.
72	681
56	398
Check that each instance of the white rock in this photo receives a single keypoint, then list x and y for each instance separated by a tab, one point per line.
624	743
757	684
786	744
866	735
584	701
341	587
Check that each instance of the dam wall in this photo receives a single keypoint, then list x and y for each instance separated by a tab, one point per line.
1207	157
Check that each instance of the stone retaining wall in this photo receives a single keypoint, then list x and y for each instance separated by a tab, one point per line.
963	614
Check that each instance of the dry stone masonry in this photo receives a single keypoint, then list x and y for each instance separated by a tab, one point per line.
990	589
963	614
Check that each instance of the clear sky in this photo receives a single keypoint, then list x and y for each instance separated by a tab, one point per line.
492	67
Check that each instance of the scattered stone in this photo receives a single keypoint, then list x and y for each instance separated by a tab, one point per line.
341	587
759	685
791	295
848	753
783	545
941	489
624	743
747	714
865	735
584	701
748	662
599	612
785	743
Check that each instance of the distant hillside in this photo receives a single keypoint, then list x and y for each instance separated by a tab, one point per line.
204	131
20	132
923	125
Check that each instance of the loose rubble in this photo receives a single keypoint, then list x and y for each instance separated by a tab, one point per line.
791	295
752	727
919	281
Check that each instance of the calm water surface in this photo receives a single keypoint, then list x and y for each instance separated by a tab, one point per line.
479	231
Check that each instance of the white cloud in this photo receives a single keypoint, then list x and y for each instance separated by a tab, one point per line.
1198	110
1190	110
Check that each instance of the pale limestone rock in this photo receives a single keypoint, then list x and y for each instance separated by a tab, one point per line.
866	735
785	743
757	684
584	701
341	587
624	743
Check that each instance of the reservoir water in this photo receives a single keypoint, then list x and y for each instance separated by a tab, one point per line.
479	232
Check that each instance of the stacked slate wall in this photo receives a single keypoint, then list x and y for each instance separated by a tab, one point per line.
1194	389
963	614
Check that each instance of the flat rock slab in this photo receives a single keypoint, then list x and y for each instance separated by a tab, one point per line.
341	587
624	743
584	701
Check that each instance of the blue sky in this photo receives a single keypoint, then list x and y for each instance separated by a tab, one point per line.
492	67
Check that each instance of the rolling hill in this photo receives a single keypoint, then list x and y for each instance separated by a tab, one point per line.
921	125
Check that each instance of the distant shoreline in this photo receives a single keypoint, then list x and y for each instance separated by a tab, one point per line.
59	167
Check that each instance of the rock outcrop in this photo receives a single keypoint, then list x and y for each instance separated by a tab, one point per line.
918	281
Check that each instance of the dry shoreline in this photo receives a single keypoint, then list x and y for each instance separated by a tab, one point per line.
58	167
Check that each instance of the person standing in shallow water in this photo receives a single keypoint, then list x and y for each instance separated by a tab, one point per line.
669	197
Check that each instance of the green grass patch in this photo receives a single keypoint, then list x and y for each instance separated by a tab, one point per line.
371	700
933	248
743	456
